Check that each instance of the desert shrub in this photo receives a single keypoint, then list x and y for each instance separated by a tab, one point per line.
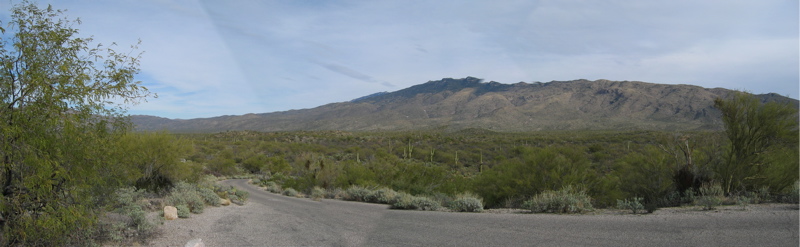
357	193
711	196
183	211
425	203
290	192
267	183
209	197
127	219
537	168
466	202
382	195
317	193
647	174
403	201
761	195
442	198
407	201
743	201
239	197
274	188
186	194
243	195
635	204
566	200
335	193
793	196
689	196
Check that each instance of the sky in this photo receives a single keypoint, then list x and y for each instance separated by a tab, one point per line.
211	58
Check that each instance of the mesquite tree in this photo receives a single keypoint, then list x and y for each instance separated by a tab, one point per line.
62	105
758	132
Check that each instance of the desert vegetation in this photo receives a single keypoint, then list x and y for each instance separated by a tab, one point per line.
556	172
73	172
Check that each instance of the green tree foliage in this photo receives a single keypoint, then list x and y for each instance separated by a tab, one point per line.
757	131
58	120
647	174
539	169
255	163
154	160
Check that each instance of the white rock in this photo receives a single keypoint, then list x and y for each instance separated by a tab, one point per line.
195	243
170	213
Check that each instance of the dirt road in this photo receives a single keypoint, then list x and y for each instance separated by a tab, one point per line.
273	220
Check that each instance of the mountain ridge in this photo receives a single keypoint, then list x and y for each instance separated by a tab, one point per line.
456	104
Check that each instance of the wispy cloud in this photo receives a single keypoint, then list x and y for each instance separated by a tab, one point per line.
208	58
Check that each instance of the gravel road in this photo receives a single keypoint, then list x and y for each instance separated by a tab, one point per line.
273	220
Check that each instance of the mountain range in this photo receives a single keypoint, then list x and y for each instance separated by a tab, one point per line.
455	104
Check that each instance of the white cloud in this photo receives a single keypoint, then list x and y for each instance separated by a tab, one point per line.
208	58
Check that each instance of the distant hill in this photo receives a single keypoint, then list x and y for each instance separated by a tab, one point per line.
457	104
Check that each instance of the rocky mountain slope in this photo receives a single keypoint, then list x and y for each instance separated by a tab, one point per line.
454	104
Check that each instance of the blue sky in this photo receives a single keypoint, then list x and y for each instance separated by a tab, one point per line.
211	58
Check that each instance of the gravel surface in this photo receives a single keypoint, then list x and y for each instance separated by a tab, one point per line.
273	220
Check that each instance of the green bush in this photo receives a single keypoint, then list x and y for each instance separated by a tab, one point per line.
763	194
209	197
183	211
335	193
444	199
382	195
239	197
129	220
743	201
794	194
267	183
635	204
274	188
241	194
290	192
566	200
403	201
357	193
317	193
407	201
537	168
186	194
710	197
466	202
425	203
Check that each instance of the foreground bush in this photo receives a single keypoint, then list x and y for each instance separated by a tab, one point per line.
273	187
317	193
127	220
466	202
188	195
239	197
208	196
382	195
794	194
407	201
290	192
710	197
183	211
635	204
357	193
566	200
